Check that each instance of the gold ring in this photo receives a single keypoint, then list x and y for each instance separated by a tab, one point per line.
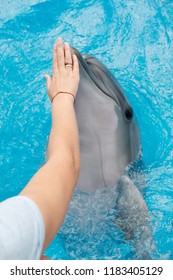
68	64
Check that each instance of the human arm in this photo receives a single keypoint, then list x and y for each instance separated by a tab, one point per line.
52	186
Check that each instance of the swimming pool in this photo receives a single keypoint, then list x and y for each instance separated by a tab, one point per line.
134	39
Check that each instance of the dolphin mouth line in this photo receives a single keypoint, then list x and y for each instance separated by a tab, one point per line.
91	74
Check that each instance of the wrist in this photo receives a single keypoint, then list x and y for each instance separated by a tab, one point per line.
63	97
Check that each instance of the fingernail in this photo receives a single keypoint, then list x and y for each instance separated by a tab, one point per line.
59	40
66	44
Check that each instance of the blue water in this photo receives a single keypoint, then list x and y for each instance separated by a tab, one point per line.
135	40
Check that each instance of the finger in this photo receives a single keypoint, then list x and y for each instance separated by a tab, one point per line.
55	63
60	54
68	55
75	65
48	80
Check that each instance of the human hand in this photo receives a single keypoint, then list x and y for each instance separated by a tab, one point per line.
65	71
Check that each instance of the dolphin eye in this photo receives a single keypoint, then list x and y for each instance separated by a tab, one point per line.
129	114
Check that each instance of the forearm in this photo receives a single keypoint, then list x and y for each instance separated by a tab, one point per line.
63	140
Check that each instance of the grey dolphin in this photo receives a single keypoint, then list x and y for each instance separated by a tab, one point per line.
110	140
108	132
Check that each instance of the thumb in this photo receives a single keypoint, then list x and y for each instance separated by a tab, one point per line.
48	80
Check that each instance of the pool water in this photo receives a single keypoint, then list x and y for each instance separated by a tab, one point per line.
135	40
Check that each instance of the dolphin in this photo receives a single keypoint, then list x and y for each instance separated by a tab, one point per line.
109	141
108	131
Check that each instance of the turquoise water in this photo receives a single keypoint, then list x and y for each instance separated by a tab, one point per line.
135	40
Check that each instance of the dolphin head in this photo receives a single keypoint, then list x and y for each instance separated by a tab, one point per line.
108	132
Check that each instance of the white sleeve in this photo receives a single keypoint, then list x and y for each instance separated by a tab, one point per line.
22	229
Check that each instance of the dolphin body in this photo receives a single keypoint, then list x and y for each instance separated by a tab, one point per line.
108	132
